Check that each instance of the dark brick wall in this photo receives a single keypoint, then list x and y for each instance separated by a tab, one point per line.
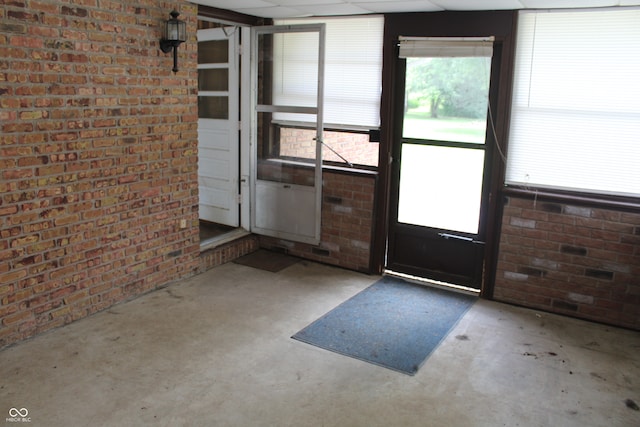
574	260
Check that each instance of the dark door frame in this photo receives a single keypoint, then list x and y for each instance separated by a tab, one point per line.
501	25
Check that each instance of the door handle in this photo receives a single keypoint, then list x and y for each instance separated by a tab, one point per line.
453	236
463	238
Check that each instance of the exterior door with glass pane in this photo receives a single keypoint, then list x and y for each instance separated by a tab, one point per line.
218	125
439	188
287	87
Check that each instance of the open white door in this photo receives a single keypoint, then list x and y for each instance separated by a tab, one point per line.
218	125
287	88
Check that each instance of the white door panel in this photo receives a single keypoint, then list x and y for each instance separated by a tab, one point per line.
212	138
218	139
214	198
217	168
297	220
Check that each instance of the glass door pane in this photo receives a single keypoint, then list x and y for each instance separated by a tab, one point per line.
213	78
444	130
441	187
446	99
213	51
288	78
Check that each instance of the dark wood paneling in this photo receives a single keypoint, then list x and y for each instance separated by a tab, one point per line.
231	16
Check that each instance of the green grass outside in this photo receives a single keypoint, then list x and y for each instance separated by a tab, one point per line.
420	125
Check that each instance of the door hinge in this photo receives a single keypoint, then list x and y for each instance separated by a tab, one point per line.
239	199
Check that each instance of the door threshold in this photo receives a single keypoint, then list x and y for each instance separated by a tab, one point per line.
433	283
214	242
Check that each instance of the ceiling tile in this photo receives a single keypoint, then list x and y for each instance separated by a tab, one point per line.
333	9
388	1
304	2
555	4
387	6
235	4
274	12
475	5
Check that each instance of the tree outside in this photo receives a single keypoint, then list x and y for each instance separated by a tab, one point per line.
446	98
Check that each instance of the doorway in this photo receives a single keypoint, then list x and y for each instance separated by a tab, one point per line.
442	155
245	185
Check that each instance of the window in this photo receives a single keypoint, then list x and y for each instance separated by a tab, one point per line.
353	86
575	119
353	70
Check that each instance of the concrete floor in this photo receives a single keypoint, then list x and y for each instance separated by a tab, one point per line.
216	350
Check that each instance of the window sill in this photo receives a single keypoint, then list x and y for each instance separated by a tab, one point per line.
355	170
585	199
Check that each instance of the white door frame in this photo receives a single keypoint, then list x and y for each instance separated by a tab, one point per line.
245	129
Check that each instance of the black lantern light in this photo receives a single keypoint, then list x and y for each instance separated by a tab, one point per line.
174	33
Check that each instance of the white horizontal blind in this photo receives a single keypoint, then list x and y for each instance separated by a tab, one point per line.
295	69
439	47
353	71
575	119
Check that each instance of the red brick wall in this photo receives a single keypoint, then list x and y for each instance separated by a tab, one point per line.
569	259
347	223
98	159
355	147
228	252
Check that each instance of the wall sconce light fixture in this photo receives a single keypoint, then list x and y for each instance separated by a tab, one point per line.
173	34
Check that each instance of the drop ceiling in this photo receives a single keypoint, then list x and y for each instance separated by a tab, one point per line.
303	8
